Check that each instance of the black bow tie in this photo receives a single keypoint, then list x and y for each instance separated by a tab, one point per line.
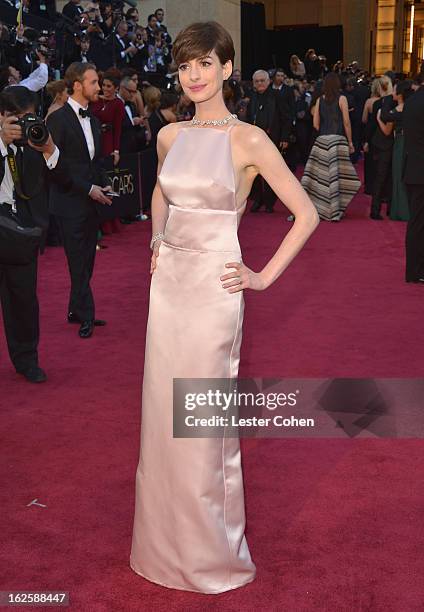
83	113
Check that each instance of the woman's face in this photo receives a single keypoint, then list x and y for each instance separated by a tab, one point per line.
202	78
108	88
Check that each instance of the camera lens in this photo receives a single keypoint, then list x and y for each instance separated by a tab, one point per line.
38	134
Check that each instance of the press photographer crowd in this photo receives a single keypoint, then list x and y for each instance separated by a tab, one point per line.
83	95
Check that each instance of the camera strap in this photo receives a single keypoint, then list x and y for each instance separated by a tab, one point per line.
14	171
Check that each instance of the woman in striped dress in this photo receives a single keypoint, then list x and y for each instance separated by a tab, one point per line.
329	177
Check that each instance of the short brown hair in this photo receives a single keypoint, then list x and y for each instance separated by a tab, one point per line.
75	72
199	39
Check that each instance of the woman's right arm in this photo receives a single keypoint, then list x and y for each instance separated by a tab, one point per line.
316	116
160	209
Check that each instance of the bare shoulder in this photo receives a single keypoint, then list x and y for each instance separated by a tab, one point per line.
247	135
167	135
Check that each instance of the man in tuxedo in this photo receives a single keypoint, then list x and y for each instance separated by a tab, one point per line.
80	187
24	195
266	110
151	29
160	16
133	137
287	104
413	177
117	48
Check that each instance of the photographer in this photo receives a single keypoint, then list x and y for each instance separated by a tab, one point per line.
23	198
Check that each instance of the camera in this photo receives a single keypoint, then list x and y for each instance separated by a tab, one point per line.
33	130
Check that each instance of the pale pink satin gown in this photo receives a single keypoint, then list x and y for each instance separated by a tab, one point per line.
189	516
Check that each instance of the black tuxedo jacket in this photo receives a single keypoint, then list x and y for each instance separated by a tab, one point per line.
76	172
268	111
413	134
129	135
33	176
112	50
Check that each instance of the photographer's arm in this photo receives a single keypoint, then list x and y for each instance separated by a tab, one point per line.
38	78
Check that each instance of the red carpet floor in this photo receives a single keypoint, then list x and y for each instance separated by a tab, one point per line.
333	525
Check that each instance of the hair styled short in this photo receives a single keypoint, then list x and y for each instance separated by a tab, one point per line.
76	72
199	39
17	99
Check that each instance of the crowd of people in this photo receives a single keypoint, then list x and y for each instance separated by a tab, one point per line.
319	118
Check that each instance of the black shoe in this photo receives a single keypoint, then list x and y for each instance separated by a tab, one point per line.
269	209
72	318
33	374
255	206
376	216
125	220
86	329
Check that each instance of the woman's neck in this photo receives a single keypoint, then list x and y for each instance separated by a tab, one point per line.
212	109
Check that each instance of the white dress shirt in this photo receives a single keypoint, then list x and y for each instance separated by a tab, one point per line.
85	124
7	186
86	127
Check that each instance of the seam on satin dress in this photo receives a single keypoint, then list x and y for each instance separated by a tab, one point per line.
171	246
231	376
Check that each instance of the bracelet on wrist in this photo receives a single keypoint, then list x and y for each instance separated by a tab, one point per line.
155	238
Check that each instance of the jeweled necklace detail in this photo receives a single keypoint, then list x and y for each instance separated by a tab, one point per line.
224	121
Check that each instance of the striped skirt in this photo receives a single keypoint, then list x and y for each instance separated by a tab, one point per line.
329	177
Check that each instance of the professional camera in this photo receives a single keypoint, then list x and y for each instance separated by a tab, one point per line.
33	130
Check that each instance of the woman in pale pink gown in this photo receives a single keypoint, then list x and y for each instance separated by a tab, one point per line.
189	524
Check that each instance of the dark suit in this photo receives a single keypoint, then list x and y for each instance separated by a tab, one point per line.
129	134
75	211
18	284
413	176
268	111
113	49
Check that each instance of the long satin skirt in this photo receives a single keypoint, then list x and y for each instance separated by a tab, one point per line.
189	518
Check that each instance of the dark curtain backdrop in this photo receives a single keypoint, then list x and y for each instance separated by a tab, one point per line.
254	43
262	48
326	41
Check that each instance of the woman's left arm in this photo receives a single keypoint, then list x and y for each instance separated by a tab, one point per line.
263	155
346	122
386	128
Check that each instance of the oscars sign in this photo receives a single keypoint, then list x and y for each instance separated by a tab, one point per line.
124	180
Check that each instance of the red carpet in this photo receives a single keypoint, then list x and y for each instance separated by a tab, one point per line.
333	525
